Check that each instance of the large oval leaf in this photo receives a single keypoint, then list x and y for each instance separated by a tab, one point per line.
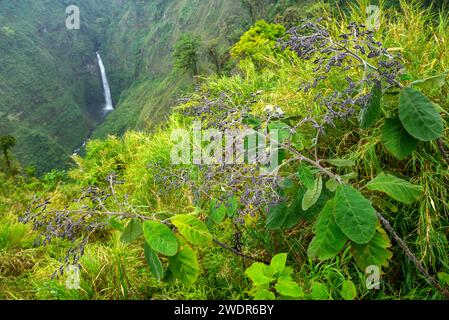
312	195
184	265
154	262
192	229
397	140
132	231
306	176
398	189
418	116
160	238
370	114
329	239
354	215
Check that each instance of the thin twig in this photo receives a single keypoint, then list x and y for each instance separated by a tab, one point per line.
443	152
412	257
111	187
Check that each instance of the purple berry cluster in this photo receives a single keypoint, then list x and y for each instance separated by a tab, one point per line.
355	55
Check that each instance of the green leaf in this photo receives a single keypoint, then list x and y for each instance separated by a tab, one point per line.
397	140
296	211
320	291
329	239
194	230
419	117
264	294
286	217
299	140
341	163
435	82
348	290
217	212
116	225
132	231
399	189
184	265
354	215
259	274
312	195
277	216
306	176
232	206
278	262
440	109
252	121
160	238
289	288
370	114
374	253
287	273
283	129
332	185
154	262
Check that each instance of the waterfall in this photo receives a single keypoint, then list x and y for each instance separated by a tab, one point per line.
108	107
107	91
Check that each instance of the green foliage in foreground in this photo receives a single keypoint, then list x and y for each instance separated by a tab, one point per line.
316	244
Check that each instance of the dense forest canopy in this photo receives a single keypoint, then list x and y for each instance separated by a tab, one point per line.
289	150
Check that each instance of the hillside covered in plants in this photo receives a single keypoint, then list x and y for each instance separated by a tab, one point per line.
258	150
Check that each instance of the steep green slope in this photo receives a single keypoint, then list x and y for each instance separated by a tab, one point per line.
140	47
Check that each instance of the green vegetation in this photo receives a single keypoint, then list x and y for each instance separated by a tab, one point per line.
186	54
361	184
139	50
6	143
258	41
